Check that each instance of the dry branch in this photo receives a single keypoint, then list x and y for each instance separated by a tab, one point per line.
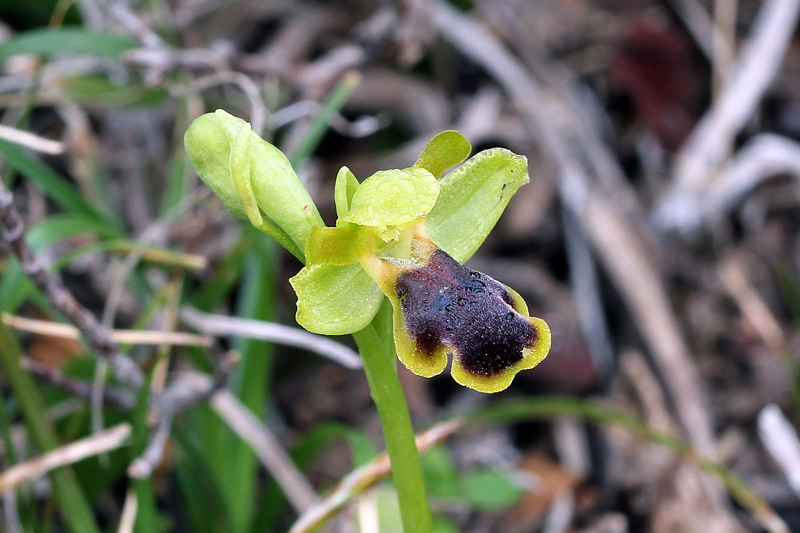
121	336
219	325
68	454
706	150
29	140
120	398
96	336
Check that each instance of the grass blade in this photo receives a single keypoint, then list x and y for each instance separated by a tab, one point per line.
67	41
69	497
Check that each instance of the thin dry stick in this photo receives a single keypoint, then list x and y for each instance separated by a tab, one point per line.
705	151
258	111
703	30
365	477
129	509
724	42
97	337
144	465
113	396
98	443
765	156
752	305
9	514
267	448
183	393
121	336
29	140
151	234
780	440
219	325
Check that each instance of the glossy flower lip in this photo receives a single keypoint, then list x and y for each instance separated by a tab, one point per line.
447	307
442	308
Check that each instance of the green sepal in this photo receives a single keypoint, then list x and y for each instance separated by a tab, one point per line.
335	300
343	191
240	173
208	149
331	246
447	149
472	198
393	197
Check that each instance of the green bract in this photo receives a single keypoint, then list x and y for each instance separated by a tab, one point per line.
400	234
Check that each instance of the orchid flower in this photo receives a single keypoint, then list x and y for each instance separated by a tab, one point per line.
400	234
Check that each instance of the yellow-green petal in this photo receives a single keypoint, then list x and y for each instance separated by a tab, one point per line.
447	149
343	191
393	197
335	300
471	199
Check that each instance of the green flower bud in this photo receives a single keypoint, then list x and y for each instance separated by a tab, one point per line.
253	179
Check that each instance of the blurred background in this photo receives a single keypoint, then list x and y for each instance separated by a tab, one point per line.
658	238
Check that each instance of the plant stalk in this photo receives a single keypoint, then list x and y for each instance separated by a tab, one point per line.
376	344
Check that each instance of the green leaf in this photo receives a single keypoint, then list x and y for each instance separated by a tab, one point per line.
472	198
335	300
343	191
196	481
447	149
251	382
319	125
56	228
393	197
98	91
491	490
145	493
66	41
441	476
69	498
56	187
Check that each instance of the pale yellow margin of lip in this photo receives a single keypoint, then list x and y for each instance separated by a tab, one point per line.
530	358
419	362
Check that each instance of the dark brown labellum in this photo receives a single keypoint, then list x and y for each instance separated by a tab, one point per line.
447	303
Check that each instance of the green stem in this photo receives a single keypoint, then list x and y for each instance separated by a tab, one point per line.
377	351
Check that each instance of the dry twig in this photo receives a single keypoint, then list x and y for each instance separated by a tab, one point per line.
780	440
121	336
704	153
366	477
98	338
29	140
68	454
211	324
120	398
